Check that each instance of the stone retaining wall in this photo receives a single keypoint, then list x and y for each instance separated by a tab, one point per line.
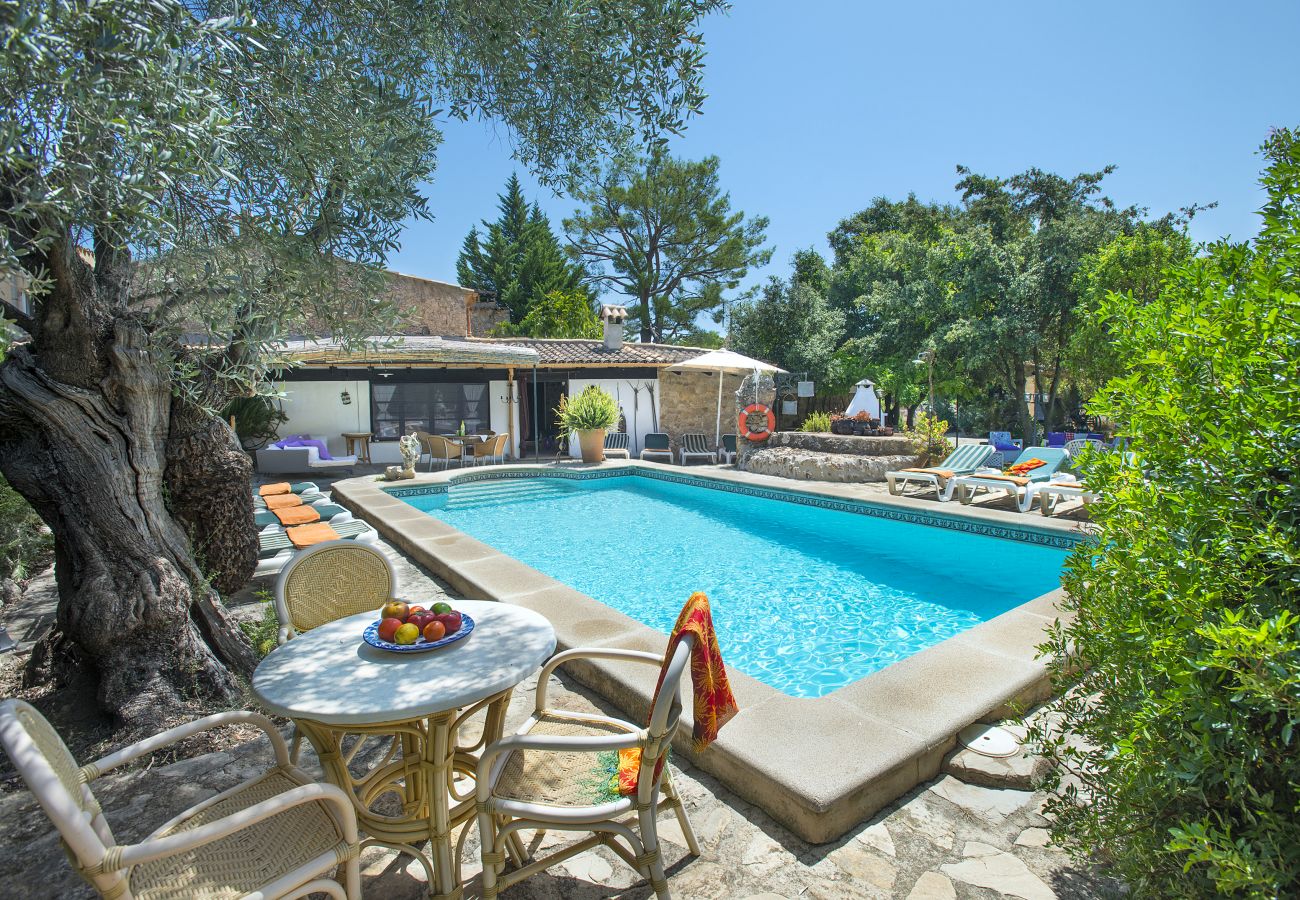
828	457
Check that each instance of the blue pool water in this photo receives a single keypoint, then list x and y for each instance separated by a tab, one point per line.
805	599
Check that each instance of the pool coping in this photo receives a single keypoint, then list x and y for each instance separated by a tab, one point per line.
818	765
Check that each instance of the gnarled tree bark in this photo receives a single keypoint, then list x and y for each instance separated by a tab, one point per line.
89	455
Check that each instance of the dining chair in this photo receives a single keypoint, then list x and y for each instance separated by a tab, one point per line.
279	834
553	775
441	448
491	450
328	582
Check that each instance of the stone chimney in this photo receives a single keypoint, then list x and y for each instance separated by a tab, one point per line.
612	318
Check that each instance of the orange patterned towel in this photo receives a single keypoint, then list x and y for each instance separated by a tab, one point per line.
713	705
297	515
315	533
270	490
280	501
1025	467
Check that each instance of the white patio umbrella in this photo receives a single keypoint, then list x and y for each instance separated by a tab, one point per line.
721	361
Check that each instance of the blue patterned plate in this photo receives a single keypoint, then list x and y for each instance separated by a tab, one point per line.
371	637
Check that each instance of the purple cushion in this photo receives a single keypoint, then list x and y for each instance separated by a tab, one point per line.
299	441
1056	438
1005	448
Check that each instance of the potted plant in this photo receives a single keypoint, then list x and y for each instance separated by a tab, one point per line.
590	414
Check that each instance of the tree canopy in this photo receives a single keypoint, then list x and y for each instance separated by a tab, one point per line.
519	260
183	185
559	314
1178	670
661	231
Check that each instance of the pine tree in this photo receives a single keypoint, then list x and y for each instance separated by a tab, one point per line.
520	260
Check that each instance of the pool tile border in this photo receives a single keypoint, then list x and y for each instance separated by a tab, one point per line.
819	765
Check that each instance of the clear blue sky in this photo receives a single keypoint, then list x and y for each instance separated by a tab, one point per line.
815	108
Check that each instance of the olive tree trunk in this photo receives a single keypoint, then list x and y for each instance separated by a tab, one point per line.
89	450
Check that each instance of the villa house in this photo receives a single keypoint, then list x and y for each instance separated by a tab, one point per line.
445	371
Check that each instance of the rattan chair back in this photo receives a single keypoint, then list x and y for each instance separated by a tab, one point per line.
59	785
329	581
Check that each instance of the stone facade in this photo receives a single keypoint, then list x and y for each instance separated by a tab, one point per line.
438	308
828	457
688	403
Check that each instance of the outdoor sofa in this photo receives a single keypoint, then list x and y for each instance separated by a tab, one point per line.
273	460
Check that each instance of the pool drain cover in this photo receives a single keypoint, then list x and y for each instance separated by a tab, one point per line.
989	740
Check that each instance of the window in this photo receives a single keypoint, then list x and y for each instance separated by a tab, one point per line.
398	409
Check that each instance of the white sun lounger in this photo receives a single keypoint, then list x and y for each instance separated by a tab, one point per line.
1051	493
966	487
961	461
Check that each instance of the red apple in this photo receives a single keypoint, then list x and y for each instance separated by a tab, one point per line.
434	631
421	620
388	627
450	621
414	611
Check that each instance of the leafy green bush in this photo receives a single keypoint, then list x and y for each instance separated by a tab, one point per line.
592	410
929	437
816	421
262	632
25	542
1183	661
257	420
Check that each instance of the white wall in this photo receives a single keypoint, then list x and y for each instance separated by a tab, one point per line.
638	408
317	408
500	413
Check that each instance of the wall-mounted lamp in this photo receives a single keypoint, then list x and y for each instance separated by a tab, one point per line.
345	398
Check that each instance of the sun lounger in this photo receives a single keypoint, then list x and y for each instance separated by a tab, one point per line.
962	461
275	548
966	487
1050	493
616	444
696	446
657	447
727	452
328	512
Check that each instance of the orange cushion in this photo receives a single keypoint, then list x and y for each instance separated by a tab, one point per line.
270	490
315	533
280	501
297	515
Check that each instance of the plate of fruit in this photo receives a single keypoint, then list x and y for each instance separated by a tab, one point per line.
414	629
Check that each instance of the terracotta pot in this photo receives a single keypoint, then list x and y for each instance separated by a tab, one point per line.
592	444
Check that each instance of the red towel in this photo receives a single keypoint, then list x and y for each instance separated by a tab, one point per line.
714	705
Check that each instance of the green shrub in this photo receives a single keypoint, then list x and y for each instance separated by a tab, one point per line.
592	410
262	632
25	542
816	421
1183	661
257	419
929	438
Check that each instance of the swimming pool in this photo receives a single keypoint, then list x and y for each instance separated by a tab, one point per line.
806	599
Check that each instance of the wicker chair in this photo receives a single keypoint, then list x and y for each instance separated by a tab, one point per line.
491	450
542	778
327	582
438	447
280	834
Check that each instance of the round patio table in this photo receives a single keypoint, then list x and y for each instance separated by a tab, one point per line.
340	691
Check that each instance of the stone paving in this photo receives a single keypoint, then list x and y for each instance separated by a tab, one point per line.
946	839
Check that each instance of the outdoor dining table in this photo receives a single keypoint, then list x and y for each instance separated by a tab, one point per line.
340	691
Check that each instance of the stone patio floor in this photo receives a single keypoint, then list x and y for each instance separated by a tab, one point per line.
946	839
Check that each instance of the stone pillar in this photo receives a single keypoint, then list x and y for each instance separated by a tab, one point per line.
758	387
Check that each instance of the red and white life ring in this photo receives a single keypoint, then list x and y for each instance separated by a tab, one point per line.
757	409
